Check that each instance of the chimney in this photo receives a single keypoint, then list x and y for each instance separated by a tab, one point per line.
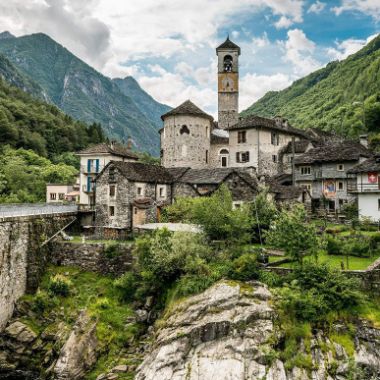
112	144
129	143
363	139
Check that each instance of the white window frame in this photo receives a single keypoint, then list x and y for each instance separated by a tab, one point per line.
305	170
340	169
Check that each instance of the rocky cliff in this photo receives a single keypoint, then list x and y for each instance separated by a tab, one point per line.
230	332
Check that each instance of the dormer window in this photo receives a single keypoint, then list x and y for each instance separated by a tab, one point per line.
227	63
184	130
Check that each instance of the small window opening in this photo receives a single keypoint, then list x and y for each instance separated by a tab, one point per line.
184	130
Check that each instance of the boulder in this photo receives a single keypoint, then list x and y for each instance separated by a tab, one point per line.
226	333
79	353
20	332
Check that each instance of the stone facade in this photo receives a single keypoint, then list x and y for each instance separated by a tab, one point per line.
241	190
132	202
228	84
263	145
22	258
93	257
185	141
327	180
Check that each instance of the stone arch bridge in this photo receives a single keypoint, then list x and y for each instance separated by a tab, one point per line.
25	233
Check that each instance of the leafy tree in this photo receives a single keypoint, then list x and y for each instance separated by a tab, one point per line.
291	232
218	219
264	211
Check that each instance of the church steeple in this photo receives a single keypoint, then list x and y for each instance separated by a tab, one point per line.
228	83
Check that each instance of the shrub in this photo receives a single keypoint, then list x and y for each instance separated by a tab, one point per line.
334	245
292	233
338	292
102	303
192	284
127	285
112	250
271	279
42	302
59	285
245	268
357	246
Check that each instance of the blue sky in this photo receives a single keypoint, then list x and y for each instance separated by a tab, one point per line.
169	45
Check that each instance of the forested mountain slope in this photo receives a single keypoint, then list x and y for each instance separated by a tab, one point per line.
84	93
331	98
37	142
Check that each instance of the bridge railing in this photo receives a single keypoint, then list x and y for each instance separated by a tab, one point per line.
29	209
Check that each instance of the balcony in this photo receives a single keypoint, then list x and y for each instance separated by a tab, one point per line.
363	188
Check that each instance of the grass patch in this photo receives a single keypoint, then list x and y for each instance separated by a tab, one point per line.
346	341
335	261
98	296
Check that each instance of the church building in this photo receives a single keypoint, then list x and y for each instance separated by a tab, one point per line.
191	138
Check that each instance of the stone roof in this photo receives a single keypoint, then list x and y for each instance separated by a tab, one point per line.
283	192
214	176
219	136
228	44
178	172
254	121
139	172
370	165
115	149
334	152
187	108
299	147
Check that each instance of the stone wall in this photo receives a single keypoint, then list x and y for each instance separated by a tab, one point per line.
93	257
22	258
186	149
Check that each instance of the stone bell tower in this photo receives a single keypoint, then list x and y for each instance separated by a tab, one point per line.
228	83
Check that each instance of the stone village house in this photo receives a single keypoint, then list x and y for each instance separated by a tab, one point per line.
324	172
132	193
366	186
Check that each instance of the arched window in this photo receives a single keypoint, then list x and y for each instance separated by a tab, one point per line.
223	157
184	129
227	62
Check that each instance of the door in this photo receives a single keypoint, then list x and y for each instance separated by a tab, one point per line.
139	216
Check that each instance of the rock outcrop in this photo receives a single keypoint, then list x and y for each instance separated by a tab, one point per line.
228	333
79	353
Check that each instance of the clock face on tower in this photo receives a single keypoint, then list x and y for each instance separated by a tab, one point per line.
228	82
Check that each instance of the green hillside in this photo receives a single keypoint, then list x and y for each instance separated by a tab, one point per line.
82	92
37	142
331	98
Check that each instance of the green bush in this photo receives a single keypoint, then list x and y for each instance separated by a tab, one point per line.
59	285
42	302
334	245
192	284
245	268
319	284
112	250
357	246
127	285
271	279
102	303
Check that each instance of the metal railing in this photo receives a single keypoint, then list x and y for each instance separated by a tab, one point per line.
363	188
29	209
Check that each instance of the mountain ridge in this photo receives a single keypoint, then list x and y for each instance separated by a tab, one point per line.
325	98
84	93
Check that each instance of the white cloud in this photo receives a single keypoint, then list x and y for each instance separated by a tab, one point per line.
316	7
298	51
347	47
369	7
261	41
283	22
254	86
